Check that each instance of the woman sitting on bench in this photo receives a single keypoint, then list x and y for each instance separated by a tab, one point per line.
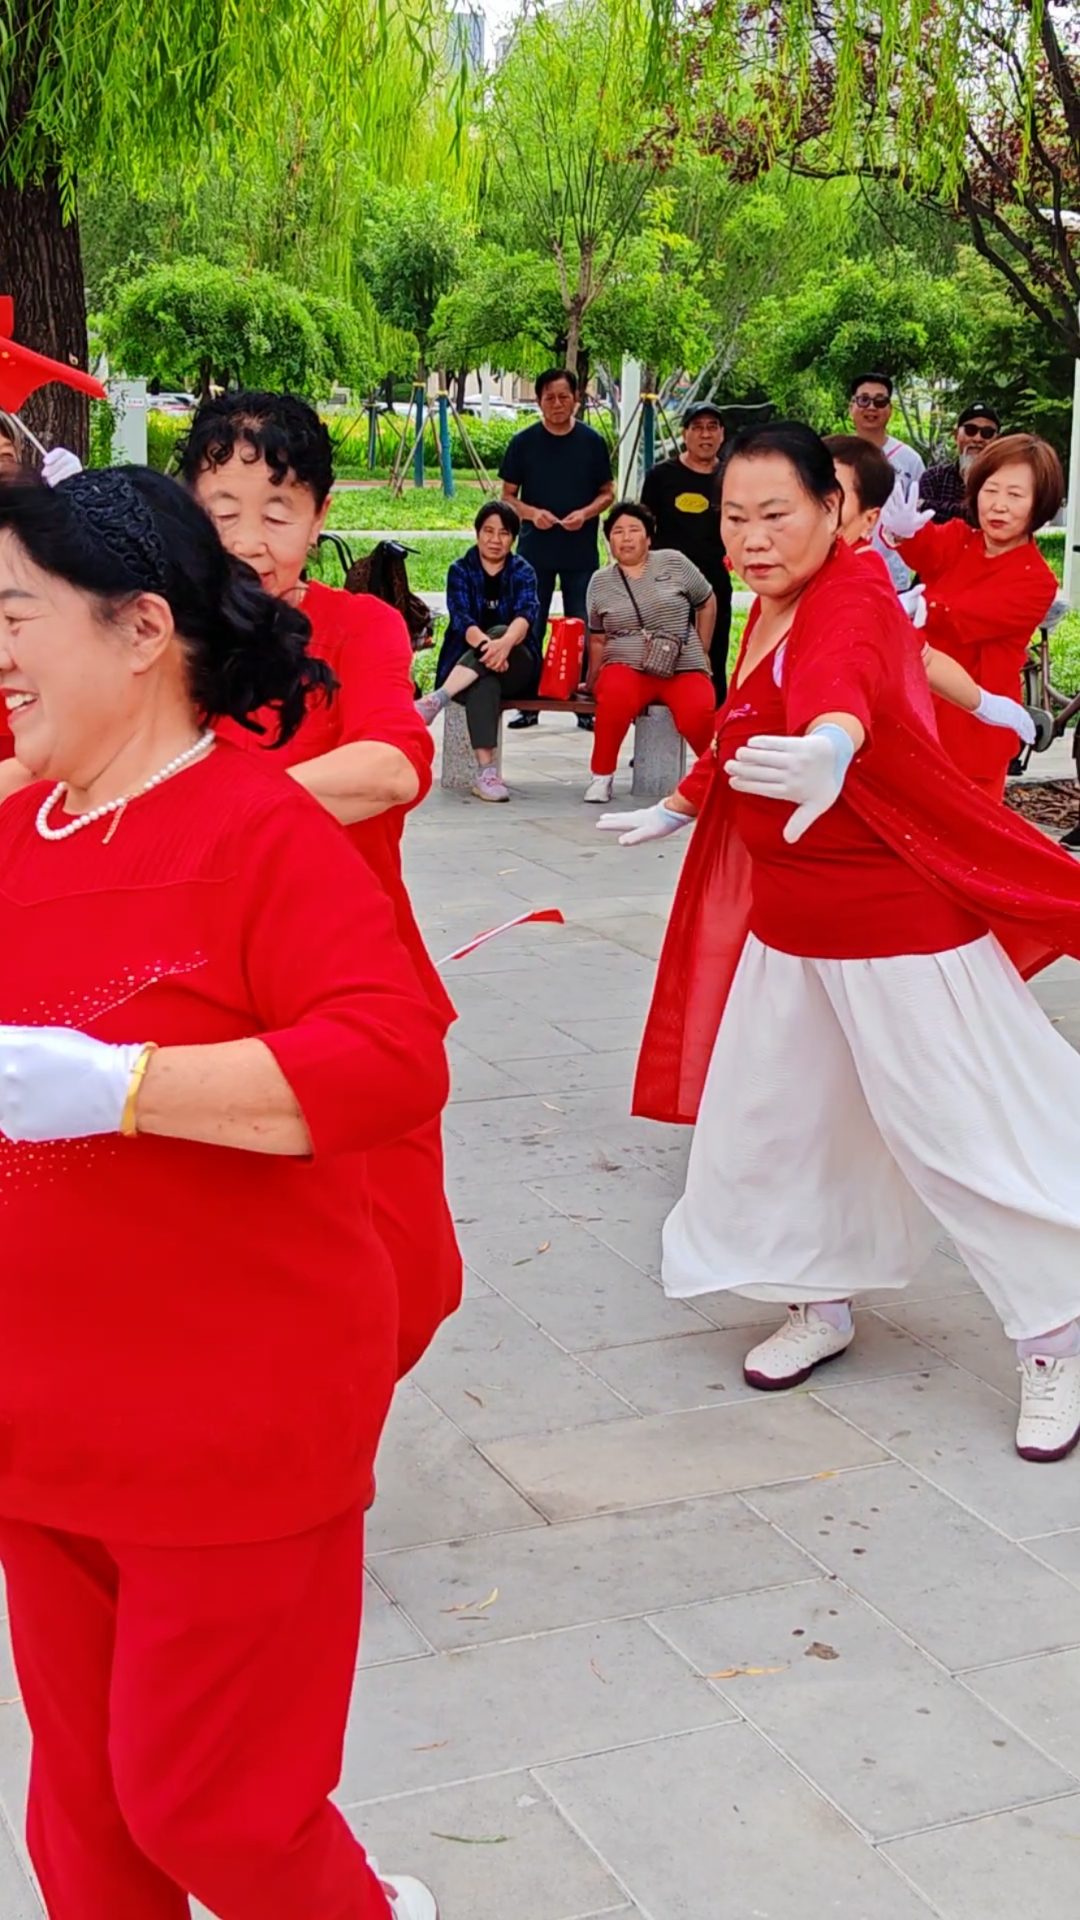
651	620
489	657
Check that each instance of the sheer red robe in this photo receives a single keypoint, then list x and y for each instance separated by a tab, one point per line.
902	785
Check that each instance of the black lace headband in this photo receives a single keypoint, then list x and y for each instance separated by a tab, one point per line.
114	516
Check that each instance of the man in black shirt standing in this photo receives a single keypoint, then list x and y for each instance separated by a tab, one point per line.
558	475
684	495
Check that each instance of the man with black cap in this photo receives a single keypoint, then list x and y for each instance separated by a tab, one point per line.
684	495
942	487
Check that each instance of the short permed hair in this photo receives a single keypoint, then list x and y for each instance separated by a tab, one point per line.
279	428
631	510
1033	453
875	477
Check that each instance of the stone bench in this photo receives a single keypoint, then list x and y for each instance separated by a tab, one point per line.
659	750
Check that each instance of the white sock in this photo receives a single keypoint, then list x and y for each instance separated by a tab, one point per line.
1064	1344
835	1313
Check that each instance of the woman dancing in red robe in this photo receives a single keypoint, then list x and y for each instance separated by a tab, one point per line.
839	1004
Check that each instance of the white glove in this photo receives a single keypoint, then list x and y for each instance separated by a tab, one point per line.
648	823
59	464
914	604
997	710
57	1084
809	769
901	516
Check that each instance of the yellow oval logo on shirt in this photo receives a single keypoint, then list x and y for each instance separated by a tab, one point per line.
691	503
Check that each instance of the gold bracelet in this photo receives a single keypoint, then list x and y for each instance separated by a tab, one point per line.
128	1126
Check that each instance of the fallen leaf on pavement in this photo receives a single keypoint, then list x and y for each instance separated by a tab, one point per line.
474	1606
732	1673
473	1396
472	1839
551	1107
820	1650
545	1248
598	1673
432	1746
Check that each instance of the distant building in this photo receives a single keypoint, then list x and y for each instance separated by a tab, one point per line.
467	26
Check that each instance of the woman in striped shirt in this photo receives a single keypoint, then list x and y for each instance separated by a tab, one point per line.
635	605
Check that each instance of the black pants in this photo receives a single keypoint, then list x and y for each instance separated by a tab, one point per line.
575	585
483	700
721	638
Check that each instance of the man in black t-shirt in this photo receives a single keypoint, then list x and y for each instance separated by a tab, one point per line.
684	495
558	475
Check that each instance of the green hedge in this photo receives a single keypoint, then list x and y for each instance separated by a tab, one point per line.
349	434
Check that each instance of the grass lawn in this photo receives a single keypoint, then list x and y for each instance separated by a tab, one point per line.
380	508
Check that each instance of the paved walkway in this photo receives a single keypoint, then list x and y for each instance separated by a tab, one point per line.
640	1642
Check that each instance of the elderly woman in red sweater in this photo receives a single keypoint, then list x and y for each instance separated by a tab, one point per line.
987	587
210	1022
261	465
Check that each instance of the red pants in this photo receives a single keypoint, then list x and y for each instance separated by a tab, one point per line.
622	693
410	1214
188	1710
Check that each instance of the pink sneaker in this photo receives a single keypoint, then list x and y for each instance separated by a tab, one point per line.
488	786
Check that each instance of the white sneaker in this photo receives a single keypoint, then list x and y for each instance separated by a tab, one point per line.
409	1899
1049	1423
789	1356
598	791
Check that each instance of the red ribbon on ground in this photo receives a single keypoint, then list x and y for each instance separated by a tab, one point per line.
523	919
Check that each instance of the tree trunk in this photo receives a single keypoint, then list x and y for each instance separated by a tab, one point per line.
41	267
573	338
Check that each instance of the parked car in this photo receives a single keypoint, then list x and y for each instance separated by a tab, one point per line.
497	409
171	402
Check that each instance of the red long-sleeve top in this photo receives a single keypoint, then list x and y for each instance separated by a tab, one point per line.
366	643
983	612
198	1344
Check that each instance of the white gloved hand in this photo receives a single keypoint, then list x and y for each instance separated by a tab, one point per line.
809	769
59	464
58	1084
901	516
997	710
914	604
648	823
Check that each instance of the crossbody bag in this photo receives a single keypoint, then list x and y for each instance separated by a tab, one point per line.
659	655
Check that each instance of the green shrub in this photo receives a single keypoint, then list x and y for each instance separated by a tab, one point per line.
163	430
1052	548
102	428
349	433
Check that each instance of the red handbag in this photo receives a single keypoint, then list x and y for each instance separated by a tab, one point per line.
561	674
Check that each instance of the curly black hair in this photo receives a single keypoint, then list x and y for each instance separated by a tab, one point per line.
280	428
129	530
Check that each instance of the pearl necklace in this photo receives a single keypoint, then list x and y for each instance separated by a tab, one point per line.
114	806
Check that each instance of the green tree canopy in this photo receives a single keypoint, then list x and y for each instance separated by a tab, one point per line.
415	246
196	325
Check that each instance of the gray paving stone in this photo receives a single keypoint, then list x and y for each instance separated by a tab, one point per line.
602	1033
19	1898
890	1739
516	1035
587	1570
568	1073
705	1369
1060	1551
966	1330
491	1850
476	1079
961	1435
716	1824
1001	1868
1041	1697
520	1703
901	1545
387	1634
579	1290
475	1372
432	1485
671	1456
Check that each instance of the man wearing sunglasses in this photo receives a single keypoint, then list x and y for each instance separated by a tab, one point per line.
870	405
942	486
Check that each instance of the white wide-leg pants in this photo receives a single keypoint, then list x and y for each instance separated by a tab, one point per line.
855	1108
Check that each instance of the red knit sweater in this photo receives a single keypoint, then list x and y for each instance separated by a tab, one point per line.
198	1344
